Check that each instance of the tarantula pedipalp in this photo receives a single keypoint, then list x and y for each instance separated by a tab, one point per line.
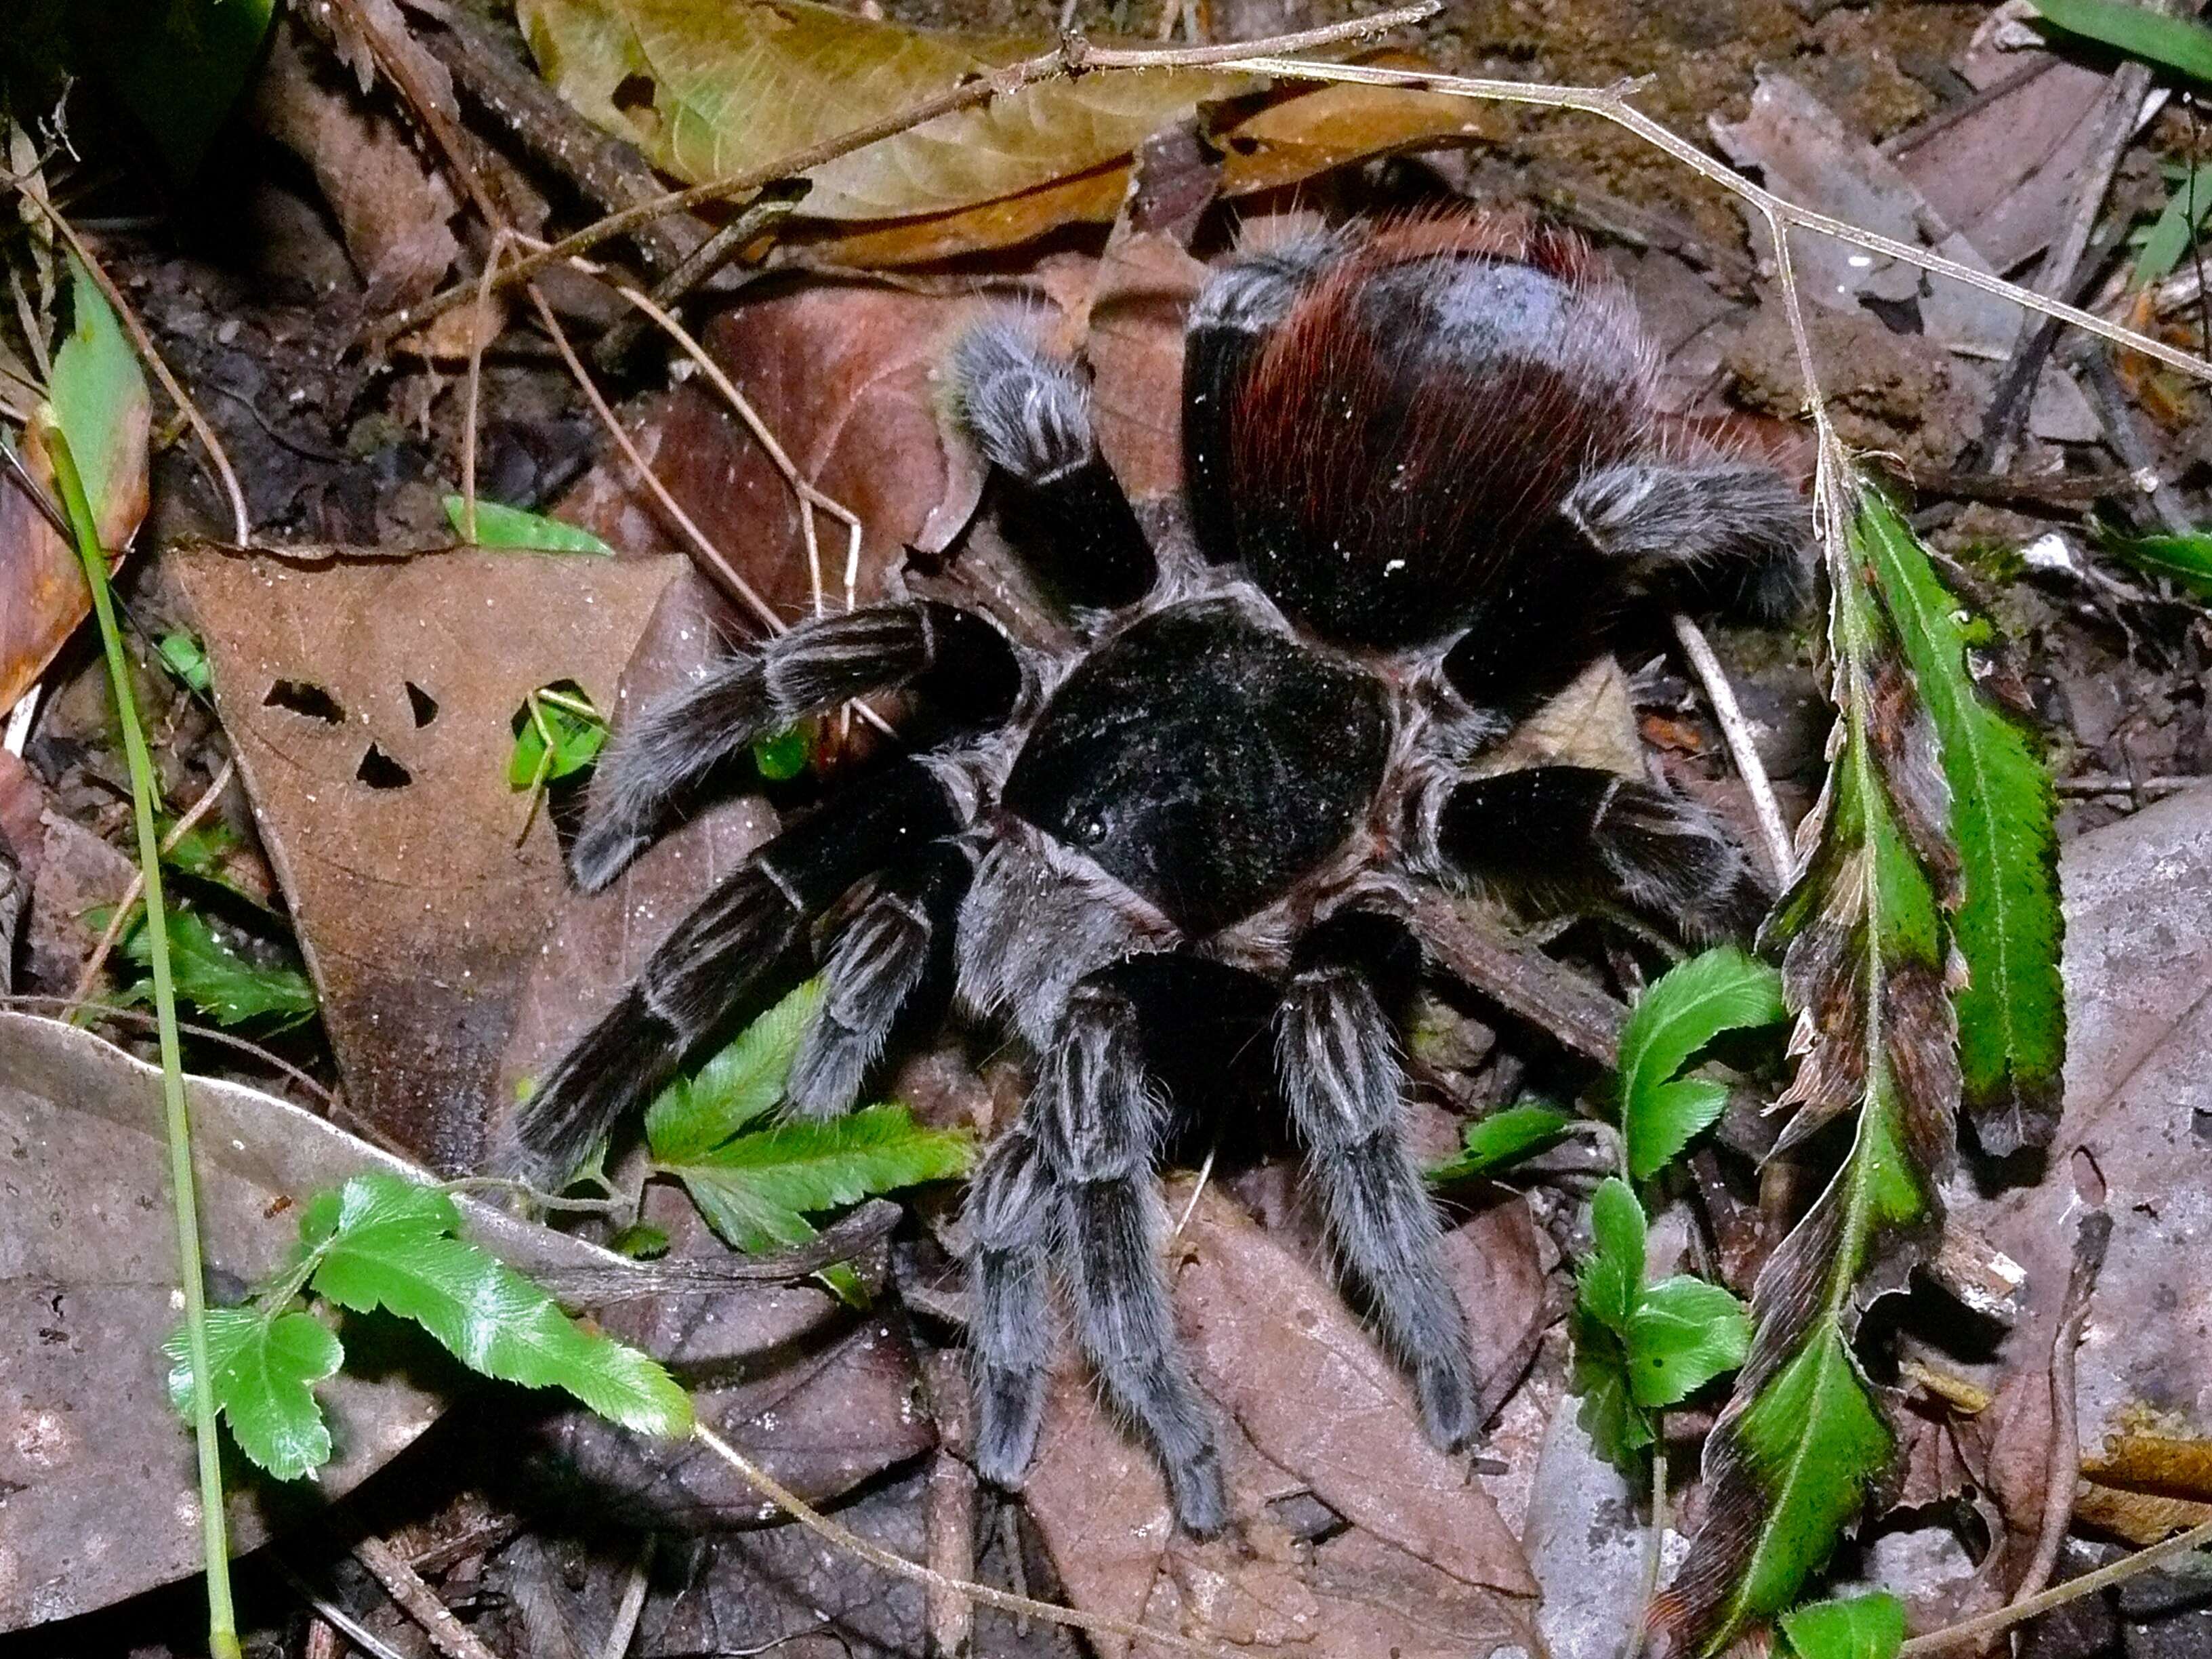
1424	472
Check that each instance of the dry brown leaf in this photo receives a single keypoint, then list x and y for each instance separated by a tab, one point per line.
393	208
1145	282
1310	1406
370	704
844	376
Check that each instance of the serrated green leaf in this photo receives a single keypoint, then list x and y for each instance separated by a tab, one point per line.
263	1372
386	1243
1639	1348
513	528
1618	1429
1491	1142
219	981
1683	1334
755	1190
1870	1626
1719	990
1867	967
1612	1280
2185	559
2012	1009
744	1081
185	657
2177	43
821	1166
784	756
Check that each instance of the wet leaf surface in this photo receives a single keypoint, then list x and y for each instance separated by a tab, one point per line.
394	835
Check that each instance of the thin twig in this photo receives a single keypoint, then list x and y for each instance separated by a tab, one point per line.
501	239
2089	1583
242	522
1655	1549
128	905
404	1585
1074	55
623	1630
874	1554
699	539
336	1617
1728	714
811	499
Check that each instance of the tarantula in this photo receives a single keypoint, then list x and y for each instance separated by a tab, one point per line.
1425	472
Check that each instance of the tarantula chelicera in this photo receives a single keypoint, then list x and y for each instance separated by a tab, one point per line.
1424	472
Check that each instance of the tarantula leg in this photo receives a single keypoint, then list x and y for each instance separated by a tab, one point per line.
1241	301
1734	531
661	760
873	970
1559	834
1335	1053
1096	1117
1013	1208
1029	412
713	960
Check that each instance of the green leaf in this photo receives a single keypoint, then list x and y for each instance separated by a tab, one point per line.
1683	1334
183	656
1867	967
784	756
178	66
1638	1347
263	1372
513	527
2185	559
1870	1626
2012	1009
219	981
2177	43
1611	1282
1501	1138
99	399
1720	990
577	740
755	1190
386	1243
2177	223
742	1082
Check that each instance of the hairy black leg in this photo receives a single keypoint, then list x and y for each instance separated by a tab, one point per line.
1336	1057
1244	298
715	958
1013	1212
1098	1120
1731	531
873	970
657	762
1560	834
1029	412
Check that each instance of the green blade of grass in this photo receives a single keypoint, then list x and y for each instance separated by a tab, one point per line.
2174	43
222	1619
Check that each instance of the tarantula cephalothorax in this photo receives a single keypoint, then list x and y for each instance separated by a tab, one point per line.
1423	471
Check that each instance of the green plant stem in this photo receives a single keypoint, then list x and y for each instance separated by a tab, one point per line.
222	1619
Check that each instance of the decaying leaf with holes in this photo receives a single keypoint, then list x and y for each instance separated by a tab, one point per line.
371	706
1868	968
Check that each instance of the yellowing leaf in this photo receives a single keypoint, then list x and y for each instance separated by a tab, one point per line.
708	89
